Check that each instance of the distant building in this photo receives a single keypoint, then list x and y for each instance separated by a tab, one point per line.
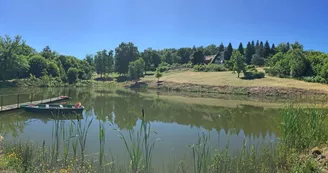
217	59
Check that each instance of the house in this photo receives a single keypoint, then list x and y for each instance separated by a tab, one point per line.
217	59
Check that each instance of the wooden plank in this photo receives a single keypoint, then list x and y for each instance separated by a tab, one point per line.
15	106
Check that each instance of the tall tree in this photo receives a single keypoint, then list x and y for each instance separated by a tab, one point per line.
184	54
273	50
229	50
297	45
221	48
47	53
89	59
211	50
238	62
266	50
8	56
241	48
147	57
100	62
125	53
249	53
198	56
283	47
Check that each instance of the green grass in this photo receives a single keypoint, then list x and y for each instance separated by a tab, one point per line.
229	79
301	129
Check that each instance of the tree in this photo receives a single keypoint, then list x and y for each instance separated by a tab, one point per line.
297	45
273	50
221	48
47	53
257	60
90	59
283	47
266	50
241	48
238	62
38	65
124	54
249	53
158	75
8	56
99	62
108	61
211	50
229	51
53	69
72	75
184	54
297	62
198	57
136	69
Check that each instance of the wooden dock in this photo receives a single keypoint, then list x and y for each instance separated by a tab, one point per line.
44	101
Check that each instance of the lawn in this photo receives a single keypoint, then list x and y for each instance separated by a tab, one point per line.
228	78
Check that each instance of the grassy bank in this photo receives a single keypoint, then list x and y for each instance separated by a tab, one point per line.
228	83
301	130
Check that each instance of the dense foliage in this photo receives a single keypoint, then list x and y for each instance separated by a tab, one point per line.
18	60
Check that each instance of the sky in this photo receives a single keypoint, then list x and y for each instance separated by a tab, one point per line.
80	27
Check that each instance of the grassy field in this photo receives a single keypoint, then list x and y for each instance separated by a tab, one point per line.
230	79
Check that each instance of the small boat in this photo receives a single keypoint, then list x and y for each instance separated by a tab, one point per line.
54	108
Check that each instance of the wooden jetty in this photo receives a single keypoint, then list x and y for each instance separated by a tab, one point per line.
17	106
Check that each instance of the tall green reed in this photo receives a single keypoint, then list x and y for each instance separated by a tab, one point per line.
139	147
201	153
303	127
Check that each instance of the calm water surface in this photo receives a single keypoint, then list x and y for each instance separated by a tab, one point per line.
177	123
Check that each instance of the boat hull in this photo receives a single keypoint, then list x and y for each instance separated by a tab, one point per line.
53	110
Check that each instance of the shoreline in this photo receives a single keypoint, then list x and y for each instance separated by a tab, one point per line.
282	92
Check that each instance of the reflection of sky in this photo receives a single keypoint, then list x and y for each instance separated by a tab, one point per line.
167	121
173	143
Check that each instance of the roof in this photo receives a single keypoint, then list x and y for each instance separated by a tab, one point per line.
209	58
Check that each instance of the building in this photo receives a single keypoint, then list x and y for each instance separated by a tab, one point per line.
217	59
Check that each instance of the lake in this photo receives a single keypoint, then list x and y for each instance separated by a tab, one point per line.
177	120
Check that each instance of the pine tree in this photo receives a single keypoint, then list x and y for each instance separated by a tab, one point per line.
221	47
241	48
266	50
273	50
248	53
229	51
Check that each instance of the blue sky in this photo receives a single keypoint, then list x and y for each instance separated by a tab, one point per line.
79	27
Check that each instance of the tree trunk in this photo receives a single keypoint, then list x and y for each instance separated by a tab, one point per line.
238	75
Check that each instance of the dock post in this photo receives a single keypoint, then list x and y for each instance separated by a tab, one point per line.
18	101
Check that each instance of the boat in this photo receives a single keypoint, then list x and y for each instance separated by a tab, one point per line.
54	108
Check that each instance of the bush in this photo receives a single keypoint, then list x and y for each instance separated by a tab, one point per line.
209	68
136	69
253	75
316	79
251	68
162	68
72	75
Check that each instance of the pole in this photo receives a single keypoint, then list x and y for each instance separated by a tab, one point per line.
18	101
1	102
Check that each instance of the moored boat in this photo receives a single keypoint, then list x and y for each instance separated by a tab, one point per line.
54	108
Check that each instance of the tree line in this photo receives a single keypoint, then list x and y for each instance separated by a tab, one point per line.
19	60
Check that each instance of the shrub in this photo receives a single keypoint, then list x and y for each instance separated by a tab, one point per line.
72	75
316	79
253	75
251	68
209	68
162	68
